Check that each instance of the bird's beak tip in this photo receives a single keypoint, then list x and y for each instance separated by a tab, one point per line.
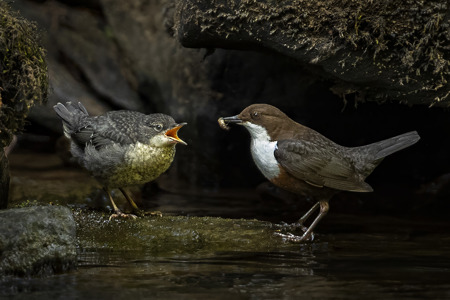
173	134
225	121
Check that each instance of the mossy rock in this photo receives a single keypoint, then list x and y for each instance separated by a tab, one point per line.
37	240
378	50
168	235
23	72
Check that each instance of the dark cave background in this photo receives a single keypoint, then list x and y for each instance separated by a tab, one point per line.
134	55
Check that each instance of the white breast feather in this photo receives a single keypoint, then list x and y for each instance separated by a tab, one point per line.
262	150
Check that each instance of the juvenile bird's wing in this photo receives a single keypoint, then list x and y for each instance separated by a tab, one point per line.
100	131
319	165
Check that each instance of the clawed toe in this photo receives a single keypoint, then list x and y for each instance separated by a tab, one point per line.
293	226
122	215
299	226
153	213
289	237
137	214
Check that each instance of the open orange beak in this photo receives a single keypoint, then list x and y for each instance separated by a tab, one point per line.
173	134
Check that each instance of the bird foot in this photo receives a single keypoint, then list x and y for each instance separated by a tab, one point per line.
152	213
292	227
289	237
143	213
292	237
122	216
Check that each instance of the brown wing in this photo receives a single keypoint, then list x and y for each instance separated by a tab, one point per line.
319	165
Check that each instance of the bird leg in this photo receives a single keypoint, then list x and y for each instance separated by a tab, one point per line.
307	215
324	207
299	223
117	212
308	234
136	209
129	199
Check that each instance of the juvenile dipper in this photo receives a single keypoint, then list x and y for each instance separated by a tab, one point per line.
120	148
301	160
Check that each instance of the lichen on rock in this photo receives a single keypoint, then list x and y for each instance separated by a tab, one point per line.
23	72
381	48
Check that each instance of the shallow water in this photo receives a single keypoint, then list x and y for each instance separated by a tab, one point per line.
353	256
390	259
312	272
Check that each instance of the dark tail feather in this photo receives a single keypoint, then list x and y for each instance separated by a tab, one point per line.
71	114
387	147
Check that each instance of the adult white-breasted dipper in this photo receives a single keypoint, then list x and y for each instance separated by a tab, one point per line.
298	159
120	148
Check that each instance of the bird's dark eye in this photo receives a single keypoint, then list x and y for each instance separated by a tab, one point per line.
158	127
255	115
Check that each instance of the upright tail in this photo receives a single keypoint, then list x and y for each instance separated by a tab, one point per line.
71	115
384	148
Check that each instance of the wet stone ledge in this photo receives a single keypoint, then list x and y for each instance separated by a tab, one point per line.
37	241
169	235
44	240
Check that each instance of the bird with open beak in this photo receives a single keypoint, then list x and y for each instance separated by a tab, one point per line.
120	148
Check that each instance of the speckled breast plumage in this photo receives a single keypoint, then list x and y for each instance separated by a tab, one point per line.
120	166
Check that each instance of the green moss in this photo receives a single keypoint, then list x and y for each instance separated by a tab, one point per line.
23	72
405	40
28	203
174	234
416	28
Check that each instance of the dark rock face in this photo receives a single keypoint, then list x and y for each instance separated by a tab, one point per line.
378	49
23	72
113	54
4	180
109	59
37	240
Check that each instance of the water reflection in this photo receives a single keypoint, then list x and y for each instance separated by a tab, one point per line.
347	266
354	257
